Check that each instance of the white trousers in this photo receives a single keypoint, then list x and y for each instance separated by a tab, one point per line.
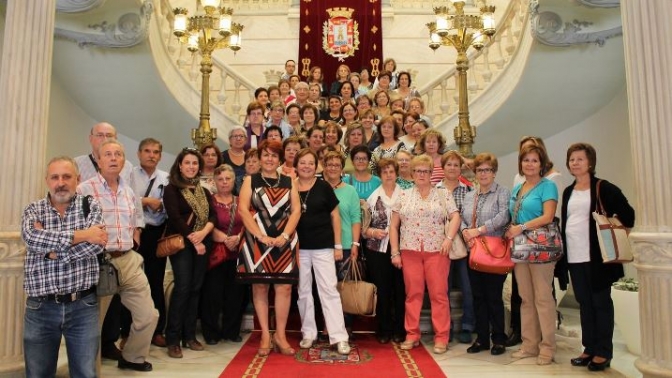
322	261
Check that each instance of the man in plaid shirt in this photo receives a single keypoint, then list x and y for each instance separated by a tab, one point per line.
123	218
61	271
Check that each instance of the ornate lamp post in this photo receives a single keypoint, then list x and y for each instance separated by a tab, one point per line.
205	33
455	28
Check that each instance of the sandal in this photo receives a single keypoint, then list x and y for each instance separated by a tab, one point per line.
288	351
264	351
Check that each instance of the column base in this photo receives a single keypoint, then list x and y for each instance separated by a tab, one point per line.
652	370
14	369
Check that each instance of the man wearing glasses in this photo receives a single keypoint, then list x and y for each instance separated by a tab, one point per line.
88	167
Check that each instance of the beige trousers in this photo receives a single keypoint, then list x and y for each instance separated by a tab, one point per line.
136	297
537	312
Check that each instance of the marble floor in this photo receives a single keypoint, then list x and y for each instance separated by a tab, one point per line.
456	363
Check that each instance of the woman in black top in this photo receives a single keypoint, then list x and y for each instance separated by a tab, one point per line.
591	278
183	197
319	230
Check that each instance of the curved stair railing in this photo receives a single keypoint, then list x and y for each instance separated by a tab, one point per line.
485	75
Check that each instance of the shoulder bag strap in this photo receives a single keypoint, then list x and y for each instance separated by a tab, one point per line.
473	217
232	216
599	208
149	187
93	161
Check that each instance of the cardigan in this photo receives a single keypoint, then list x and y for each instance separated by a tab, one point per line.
614	202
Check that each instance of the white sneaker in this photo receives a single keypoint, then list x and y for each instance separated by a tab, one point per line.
343	347
306	343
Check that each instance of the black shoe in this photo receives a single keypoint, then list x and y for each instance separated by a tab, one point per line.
595	366
142	366
383	339
398	338
581	361
513	340
477	347
497	349
111	352
236	339
211	341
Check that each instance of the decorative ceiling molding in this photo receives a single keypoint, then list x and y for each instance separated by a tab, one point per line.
546	28
601	3
77	6
129	30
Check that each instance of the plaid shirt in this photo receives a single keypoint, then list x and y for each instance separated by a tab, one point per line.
459	192
75	267
122	211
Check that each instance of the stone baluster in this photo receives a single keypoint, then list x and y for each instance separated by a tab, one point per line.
195	70
649	81
25	80
445	105
487	72
221	96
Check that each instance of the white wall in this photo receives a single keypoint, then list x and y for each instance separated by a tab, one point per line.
70	125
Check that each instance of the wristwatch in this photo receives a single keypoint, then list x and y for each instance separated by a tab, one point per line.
523	226
285	236
355	243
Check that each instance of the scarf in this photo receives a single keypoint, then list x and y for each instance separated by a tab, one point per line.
199	204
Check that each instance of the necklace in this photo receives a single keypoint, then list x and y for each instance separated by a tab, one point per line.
241	153
269	185
340	181
304	201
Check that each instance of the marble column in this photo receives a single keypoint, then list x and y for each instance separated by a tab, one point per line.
648	54
25	79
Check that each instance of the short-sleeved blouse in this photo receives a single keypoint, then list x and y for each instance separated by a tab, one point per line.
423	220
532	204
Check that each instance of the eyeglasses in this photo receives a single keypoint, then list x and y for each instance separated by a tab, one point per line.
104	135
484	170
190	149
422	171
334	166
238	136
360	158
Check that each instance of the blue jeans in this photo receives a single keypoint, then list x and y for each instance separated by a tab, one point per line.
46	322
461	266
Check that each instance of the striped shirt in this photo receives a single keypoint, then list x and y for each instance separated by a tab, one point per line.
122	211
76	266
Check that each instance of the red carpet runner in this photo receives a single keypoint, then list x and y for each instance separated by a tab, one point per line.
368	359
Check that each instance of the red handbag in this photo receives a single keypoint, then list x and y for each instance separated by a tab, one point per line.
490	254
219	252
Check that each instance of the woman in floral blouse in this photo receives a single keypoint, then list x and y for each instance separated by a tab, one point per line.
424	223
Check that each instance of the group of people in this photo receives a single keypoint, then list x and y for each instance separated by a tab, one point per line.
284	206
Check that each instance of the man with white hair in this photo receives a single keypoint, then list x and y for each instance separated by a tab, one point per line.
301	91
124	220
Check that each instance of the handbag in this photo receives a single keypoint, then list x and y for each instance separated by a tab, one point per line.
458	250
357	297
489	254
170	245
612	235
539	246
219	252
108	278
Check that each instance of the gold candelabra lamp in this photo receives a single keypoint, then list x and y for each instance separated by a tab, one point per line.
455	28
205	33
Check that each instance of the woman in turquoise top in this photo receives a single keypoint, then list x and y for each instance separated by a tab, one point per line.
538	197
362	179
349	210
